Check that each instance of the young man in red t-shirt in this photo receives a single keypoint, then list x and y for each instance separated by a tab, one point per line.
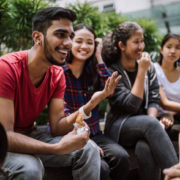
32	79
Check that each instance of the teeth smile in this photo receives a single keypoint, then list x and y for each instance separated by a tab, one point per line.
83	52
63	51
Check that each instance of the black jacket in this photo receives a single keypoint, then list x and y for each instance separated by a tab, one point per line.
124	104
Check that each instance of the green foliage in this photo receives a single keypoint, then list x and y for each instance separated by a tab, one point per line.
113	19
86	14
3	15
102	108
103	23
43	118
16	22
151	36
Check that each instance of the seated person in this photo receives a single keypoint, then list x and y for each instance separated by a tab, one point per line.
85	74
132	118
30	80
168	74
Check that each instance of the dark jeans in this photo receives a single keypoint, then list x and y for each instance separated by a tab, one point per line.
153	147
115	164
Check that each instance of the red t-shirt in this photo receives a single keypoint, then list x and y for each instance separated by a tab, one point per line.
16	84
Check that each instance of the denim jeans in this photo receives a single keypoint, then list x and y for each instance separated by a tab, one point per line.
116	159
153	147
85	162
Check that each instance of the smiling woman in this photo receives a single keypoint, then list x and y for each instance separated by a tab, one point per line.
85	74
132	118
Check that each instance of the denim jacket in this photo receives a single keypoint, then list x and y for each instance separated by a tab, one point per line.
124	104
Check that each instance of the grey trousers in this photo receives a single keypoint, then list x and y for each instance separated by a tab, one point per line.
85	163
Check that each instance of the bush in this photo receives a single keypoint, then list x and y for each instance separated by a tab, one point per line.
103	23
151	36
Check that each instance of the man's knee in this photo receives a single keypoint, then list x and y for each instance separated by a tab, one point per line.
33	169
22	166
91	148
89	154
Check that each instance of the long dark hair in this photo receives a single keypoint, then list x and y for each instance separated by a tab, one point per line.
91	61
111	52
163	42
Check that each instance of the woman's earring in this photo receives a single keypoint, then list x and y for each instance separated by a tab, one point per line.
38	43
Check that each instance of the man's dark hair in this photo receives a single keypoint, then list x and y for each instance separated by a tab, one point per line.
43	19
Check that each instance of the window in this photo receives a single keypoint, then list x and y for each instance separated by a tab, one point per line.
108	7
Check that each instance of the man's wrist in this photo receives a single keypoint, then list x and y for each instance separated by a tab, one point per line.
57	149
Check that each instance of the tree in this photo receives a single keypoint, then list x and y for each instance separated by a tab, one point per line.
17	22
86	14
103	23
3	14
152	37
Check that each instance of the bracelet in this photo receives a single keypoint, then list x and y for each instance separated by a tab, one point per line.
81	110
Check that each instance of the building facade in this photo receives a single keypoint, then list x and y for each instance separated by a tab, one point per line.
165	12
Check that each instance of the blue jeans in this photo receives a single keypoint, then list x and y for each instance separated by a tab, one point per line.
153	147
85	162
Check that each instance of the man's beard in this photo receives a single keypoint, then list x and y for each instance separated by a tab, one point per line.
49	56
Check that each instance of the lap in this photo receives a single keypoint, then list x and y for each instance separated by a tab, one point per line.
139	122
42	133
16	163
109	147
136	127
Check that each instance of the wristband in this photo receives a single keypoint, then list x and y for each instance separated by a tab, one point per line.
81	110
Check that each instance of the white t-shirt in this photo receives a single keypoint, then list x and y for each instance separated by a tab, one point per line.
172	89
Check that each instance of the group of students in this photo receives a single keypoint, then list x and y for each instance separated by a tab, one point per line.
32	79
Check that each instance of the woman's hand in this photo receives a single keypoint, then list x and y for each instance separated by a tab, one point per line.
111	84
98	96
167	120
98	50
144	63
172	173
101	151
